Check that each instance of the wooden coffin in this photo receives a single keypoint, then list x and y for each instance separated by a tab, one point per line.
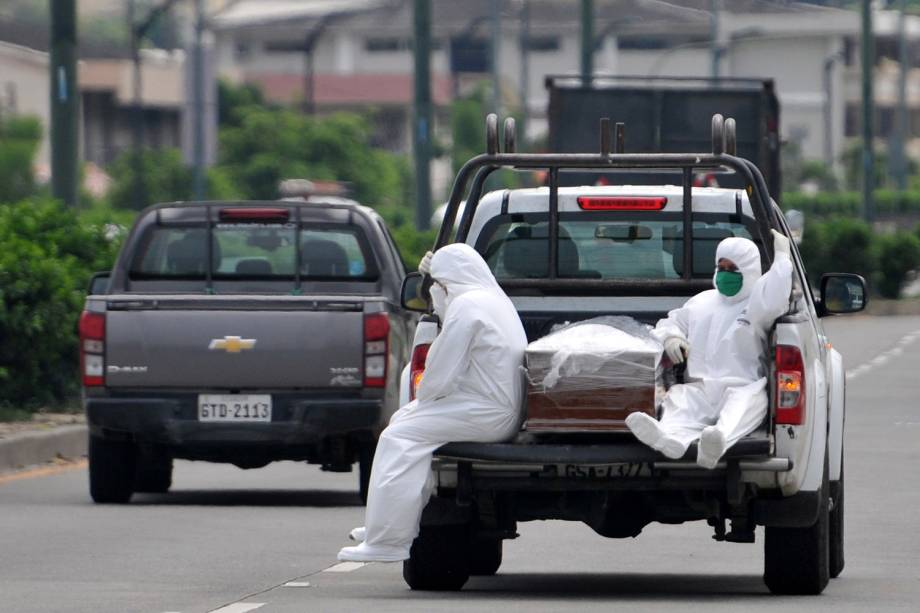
596	402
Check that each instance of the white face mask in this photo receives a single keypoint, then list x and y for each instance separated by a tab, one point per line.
438	299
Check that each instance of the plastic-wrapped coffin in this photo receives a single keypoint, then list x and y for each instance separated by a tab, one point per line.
589	376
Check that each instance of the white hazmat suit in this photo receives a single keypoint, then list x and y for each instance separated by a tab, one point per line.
724	397
472	390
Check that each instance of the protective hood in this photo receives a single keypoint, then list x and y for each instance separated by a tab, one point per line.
746	256
461	269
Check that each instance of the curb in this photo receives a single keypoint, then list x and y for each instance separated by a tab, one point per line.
30	448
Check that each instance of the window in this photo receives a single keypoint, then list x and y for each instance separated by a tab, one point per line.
543	43
605	246
284	46
386	45
255	251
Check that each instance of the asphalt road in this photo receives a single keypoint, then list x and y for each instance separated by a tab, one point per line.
226	539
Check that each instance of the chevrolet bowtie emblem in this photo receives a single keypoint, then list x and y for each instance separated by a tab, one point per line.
232	344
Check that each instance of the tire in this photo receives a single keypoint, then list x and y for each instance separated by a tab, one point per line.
797	560
439	559
836	527
154	472
365	463
111	470
485	557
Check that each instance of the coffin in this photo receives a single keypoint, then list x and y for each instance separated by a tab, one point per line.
590	376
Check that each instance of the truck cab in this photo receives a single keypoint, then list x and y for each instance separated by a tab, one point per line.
565	254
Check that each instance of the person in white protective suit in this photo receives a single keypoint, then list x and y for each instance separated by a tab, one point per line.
472	390
721	333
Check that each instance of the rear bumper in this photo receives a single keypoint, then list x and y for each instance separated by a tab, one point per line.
173	422
536	469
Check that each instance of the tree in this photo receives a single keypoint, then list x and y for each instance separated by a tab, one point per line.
48	255
269	145
166	178
19	141
233	100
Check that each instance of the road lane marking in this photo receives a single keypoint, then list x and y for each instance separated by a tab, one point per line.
882	358
239	607
345	567
43	471
297	584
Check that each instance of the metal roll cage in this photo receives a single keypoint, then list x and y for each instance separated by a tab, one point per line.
722	157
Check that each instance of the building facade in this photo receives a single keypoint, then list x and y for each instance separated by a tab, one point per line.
358	53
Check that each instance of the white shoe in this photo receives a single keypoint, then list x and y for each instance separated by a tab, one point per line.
369	553
710	448
358	534
671	448
645	428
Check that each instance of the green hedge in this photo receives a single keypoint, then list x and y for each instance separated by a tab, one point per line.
49	253
850	245
849	204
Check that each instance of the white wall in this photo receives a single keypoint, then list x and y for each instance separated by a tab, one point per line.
24	89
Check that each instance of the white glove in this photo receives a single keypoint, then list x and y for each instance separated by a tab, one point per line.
780	243
424	266
677	349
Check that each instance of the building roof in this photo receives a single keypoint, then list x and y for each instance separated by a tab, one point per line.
248	13
349	90
449	15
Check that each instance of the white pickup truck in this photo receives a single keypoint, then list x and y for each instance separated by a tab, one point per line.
569	253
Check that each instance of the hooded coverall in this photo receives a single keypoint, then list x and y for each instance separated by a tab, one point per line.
472	390
724	397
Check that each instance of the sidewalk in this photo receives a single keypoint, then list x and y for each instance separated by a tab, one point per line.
42	440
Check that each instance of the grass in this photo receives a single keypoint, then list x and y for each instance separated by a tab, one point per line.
11	414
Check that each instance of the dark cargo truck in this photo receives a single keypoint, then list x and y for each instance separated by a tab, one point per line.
242	332
666	115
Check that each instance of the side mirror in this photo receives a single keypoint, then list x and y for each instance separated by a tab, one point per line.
99	283
842	293
413	295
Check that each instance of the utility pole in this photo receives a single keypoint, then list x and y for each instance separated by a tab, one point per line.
525	74
587	41
715	45
137	111
138	30
421	126
867	44
64	103
901	125
199	184
496	56
828	108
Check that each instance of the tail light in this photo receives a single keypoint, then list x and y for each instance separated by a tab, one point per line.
92	348
619	203
417	368
790	386
376	341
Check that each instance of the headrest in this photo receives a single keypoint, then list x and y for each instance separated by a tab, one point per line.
254	267
189	254
323	258
705	243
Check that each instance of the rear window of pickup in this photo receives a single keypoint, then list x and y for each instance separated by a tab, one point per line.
255	251
607	245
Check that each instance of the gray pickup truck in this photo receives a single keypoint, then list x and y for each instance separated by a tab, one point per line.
242	332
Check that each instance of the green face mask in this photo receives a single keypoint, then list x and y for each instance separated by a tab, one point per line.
729	283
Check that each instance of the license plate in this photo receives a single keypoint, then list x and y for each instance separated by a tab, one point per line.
235	407
611	471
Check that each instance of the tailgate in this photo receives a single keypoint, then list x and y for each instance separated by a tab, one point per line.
235	345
